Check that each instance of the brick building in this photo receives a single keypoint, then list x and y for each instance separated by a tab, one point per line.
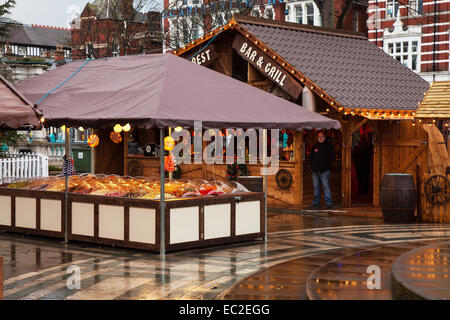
300	11
415	32
109	28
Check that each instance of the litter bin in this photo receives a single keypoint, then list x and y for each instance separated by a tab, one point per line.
82	160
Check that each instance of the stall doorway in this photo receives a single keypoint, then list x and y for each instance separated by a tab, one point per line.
362	166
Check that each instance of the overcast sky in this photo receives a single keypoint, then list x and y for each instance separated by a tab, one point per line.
56	13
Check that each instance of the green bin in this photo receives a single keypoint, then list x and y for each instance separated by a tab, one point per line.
82	159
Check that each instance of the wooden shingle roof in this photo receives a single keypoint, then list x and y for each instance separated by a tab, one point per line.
436	103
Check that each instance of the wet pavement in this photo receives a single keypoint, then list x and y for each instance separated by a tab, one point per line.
37	268
423	273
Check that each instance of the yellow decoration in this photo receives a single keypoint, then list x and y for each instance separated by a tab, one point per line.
118	128
169	143
127	127
93	140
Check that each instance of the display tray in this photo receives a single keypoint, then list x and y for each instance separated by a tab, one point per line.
135	223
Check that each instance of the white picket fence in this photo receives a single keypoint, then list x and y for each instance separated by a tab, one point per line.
23	165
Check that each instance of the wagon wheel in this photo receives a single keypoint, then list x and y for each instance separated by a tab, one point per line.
436	190
283	179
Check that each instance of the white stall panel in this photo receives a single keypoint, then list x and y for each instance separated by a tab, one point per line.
51	215
248	217
217	221
142	225
184	225
111	222
26	212
5	210
83	219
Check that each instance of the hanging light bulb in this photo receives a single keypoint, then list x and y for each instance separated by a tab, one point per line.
81	129
178	129
126	127
118	128
42	119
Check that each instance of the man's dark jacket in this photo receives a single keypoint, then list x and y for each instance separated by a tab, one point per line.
321	156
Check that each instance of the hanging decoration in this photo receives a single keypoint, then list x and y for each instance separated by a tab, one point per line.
93	140
169	143
118	128
115	137
126	128
170	163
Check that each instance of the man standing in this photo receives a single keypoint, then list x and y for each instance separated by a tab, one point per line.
321	158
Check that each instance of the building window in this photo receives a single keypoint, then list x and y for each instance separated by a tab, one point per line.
355	21
405	51
195	32
299	14
310	14
415	7
391	8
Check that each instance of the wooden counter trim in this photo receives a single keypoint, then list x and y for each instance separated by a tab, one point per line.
213	242
115	243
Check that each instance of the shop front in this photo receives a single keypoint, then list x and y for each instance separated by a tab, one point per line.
334	73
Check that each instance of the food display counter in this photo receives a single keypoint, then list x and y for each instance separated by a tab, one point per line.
125	211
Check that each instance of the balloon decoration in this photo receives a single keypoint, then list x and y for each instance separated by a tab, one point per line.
93	140
169	143
115	137
118	128
126	127
170	163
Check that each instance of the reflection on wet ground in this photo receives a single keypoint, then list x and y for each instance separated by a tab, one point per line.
37	268
423	273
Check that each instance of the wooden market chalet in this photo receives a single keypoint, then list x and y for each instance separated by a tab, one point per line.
335	73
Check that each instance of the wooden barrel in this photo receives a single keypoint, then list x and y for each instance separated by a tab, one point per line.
398	197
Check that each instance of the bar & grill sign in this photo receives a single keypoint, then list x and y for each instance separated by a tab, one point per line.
266	66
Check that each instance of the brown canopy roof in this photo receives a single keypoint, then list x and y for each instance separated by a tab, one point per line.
344	66
15	110
160	90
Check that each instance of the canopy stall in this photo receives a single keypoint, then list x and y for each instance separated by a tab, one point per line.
161	90
16	111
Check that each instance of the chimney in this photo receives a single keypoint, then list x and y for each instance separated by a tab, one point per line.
59	56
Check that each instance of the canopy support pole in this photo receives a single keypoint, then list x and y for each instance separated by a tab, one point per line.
265	181
162	204
66	192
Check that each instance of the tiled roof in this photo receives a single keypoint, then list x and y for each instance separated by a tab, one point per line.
38	36
436	103
349	68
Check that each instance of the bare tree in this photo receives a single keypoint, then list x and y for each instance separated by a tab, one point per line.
117	27
188	23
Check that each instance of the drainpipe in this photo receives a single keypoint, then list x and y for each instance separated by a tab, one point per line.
434	40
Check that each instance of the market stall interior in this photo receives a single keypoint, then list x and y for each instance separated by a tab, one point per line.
137	93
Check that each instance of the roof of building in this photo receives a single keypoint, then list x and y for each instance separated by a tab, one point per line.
111	9
343	66
436	103
36	35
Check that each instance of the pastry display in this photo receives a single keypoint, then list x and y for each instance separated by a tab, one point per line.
128	187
